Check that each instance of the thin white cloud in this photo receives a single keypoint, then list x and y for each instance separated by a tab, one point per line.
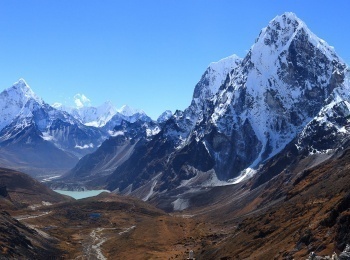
81	100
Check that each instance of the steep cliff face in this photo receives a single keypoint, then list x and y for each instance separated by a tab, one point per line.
204	91
287	77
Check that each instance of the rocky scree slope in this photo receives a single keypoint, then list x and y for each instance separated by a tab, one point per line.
93	169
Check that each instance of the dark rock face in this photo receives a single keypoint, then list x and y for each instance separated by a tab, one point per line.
232	152
308	66
345	255
138	169
328	130
3	191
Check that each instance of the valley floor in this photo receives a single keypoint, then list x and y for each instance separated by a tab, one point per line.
113	227
288	217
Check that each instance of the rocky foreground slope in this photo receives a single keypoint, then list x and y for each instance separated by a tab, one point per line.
287	217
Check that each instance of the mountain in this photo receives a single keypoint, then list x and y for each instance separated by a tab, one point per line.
91	116
126	113
243	113
46	140
37	138
13	100
129	111
93	169
20	191
164	116
106	116
287	77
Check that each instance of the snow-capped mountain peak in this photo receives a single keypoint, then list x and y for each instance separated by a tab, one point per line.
129	111
285	79
14	99
279	34
97	116
89	115
213	78
220	69
164	116
20	90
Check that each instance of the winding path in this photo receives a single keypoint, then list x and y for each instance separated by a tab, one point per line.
32	216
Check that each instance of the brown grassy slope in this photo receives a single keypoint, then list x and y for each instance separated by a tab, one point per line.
20	190
286	218
18	241
21	242
130	229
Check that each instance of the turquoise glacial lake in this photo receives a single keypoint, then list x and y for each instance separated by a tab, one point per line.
81	194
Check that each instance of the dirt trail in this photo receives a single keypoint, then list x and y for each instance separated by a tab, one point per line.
127	230
32	216
92	248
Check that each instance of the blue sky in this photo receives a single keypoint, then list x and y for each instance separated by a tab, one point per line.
147	54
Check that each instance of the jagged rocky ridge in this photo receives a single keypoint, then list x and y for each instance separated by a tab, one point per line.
291	88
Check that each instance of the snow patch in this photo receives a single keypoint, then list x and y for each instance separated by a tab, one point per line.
127	230
85	146
153	131
115	133
245	174
129	111
47	137
51	178
180	204
150	191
